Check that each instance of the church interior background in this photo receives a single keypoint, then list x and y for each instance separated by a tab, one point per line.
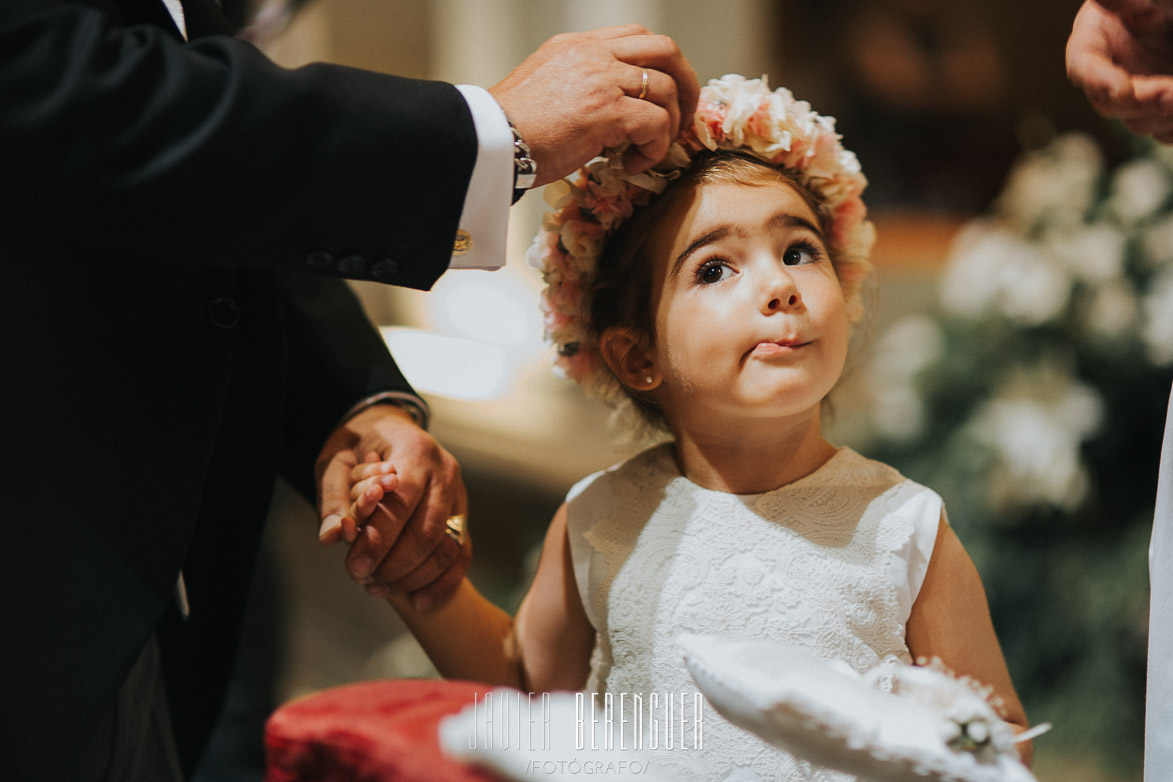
1033	404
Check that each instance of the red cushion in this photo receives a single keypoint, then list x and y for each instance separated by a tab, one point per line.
384	731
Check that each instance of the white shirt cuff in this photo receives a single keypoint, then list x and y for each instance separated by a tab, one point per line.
484	221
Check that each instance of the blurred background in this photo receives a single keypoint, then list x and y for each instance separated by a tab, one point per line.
1017	359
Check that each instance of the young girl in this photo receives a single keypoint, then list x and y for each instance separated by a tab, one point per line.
718	294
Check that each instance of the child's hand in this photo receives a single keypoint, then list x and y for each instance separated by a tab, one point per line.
398	520
370	481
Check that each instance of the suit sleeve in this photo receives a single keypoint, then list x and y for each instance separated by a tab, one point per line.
208	153
336	358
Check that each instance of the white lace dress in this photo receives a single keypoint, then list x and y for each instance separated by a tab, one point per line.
831	562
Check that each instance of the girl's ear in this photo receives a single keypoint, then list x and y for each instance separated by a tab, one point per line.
629	358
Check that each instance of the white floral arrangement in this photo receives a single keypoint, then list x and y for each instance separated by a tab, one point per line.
734	113
1032	398
1072	258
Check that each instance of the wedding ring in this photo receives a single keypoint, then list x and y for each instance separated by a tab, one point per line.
454	527
643	87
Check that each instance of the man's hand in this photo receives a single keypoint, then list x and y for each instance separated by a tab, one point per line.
405	488
580	93
1120	54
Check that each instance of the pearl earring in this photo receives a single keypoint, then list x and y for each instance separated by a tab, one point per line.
649	380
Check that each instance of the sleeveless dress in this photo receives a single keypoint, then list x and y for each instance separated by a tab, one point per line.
831	563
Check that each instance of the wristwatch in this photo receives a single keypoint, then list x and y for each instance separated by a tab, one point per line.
525	170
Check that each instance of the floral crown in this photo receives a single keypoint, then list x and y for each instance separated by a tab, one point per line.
735	114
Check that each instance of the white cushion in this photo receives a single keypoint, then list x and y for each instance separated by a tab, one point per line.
826	713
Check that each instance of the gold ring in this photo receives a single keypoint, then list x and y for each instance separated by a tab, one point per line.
643	87
454	527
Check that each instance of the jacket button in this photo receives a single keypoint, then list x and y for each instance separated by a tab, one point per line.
384	269
352	265
319	260
224	312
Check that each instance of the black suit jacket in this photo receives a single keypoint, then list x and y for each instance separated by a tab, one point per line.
175	221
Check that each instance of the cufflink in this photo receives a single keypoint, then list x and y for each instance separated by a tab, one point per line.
462	244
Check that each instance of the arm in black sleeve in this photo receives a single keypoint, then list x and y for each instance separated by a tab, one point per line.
336	358
206	152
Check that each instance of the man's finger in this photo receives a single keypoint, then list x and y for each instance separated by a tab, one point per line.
444	556
660	91
660	53
1151	126
415	542
648	130
1092	69
1104	82
334	496
438	576
1090	64
1154	93
615	31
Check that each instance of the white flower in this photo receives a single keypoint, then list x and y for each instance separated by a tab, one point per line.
898	412
1058	182
993	269
904	351
1035	424
1157	330
1138	189
1037	294
1156	242
1094	253
970	282
907	348
1112	311
742	96
1039	461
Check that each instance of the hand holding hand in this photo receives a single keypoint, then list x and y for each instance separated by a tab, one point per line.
1121	54
393	506
583	92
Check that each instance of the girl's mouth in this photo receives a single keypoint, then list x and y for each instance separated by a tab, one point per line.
783	347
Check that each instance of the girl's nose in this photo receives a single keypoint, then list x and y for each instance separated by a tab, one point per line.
780	294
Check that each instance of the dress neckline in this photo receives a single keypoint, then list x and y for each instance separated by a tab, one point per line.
666	459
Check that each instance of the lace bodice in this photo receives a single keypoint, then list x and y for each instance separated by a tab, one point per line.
831	562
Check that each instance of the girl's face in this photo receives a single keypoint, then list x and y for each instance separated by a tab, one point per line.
749	315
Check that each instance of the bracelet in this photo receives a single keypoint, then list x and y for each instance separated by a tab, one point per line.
525	170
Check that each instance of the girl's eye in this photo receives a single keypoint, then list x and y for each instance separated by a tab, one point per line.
801	253
713	271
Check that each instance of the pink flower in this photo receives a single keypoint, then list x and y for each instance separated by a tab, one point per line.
711	123
845	218
581	366
566	295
